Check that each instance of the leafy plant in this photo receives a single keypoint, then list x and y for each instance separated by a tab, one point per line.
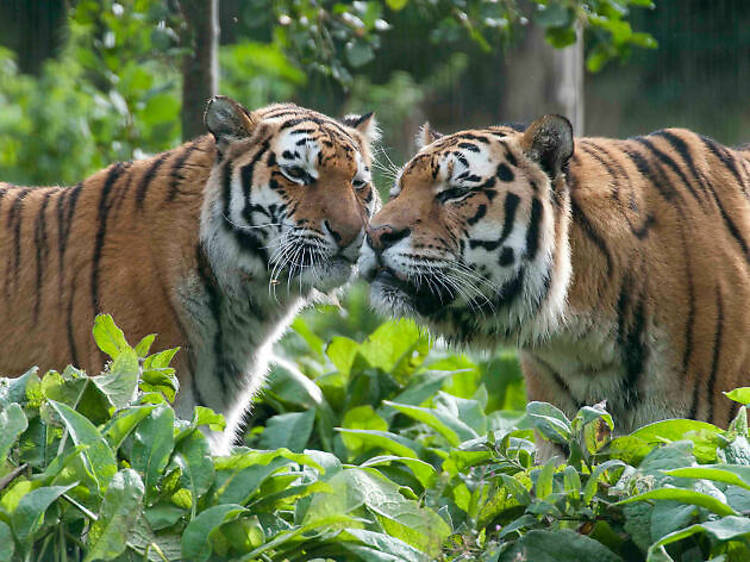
418	455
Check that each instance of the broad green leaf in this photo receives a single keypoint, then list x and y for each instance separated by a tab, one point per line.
291	385
6	540
592	482
545	480
99	457
290	430
28	516
446	425
121	382
160	360
108	336
193	457
14	390
737	475
163	515
422	470
123	423
572	482
121	508
13	422
741	395
396	444
239	485
153	442
724	529
360	417
385	347
195	539
468	411
396	4
341	351
685	496
562	545
549	421
206	416
393	547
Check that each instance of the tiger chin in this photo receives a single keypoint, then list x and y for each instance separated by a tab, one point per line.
213	246
619	268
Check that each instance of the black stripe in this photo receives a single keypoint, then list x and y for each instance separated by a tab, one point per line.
661	183
42	250
511	205
691	305
511	289
715	360
143	185
665	159
174	174
468	146
210	287
725	157
534	231
15	219
65	223
247	241
480	213
630	337
580	218
471	136
559	381
70	325
504	173
104	206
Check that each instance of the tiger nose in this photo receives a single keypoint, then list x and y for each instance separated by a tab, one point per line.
343	234
383	237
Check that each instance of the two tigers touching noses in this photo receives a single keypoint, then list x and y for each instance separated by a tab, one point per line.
620	269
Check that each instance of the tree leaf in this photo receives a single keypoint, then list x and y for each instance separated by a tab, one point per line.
121	508
724	529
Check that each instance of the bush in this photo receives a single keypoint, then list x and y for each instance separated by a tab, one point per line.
382	449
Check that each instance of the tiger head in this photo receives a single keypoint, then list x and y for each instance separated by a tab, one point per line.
289	194
472	240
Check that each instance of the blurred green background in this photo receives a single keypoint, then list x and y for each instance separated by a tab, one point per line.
84	83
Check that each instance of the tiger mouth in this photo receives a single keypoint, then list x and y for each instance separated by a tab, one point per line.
426	299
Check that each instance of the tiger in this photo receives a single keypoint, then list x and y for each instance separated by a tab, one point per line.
619	269
214	245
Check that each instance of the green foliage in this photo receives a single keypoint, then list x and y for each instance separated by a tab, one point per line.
378	448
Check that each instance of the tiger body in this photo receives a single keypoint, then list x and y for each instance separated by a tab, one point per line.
213	246
619	268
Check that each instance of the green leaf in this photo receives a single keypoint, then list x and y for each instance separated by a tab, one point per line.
396	4
108	336
14	390
544	480
120	383
195	539
358	52
549	421
723	529
291	430
396	444
741	395
163	515
360	417
123	423
6	539
685	496
144	346
422	470
737	475
392	547
557	546
153	442
28	516
237	486
192	455
120	510
341	351
206	416
447	426
99	458
13	422
592	482
554	15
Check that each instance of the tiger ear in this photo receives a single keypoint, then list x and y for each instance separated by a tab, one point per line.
227	120
426	135
365	124
549	142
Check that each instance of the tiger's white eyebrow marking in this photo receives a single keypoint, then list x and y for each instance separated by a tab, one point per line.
295	150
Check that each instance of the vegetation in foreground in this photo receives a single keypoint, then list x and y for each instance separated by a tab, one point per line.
382	449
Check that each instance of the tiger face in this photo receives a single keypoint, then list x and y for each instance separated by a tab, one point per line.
467	241
291	194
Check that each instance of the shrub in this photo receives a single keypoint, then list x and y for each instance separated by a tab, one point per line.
384	449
